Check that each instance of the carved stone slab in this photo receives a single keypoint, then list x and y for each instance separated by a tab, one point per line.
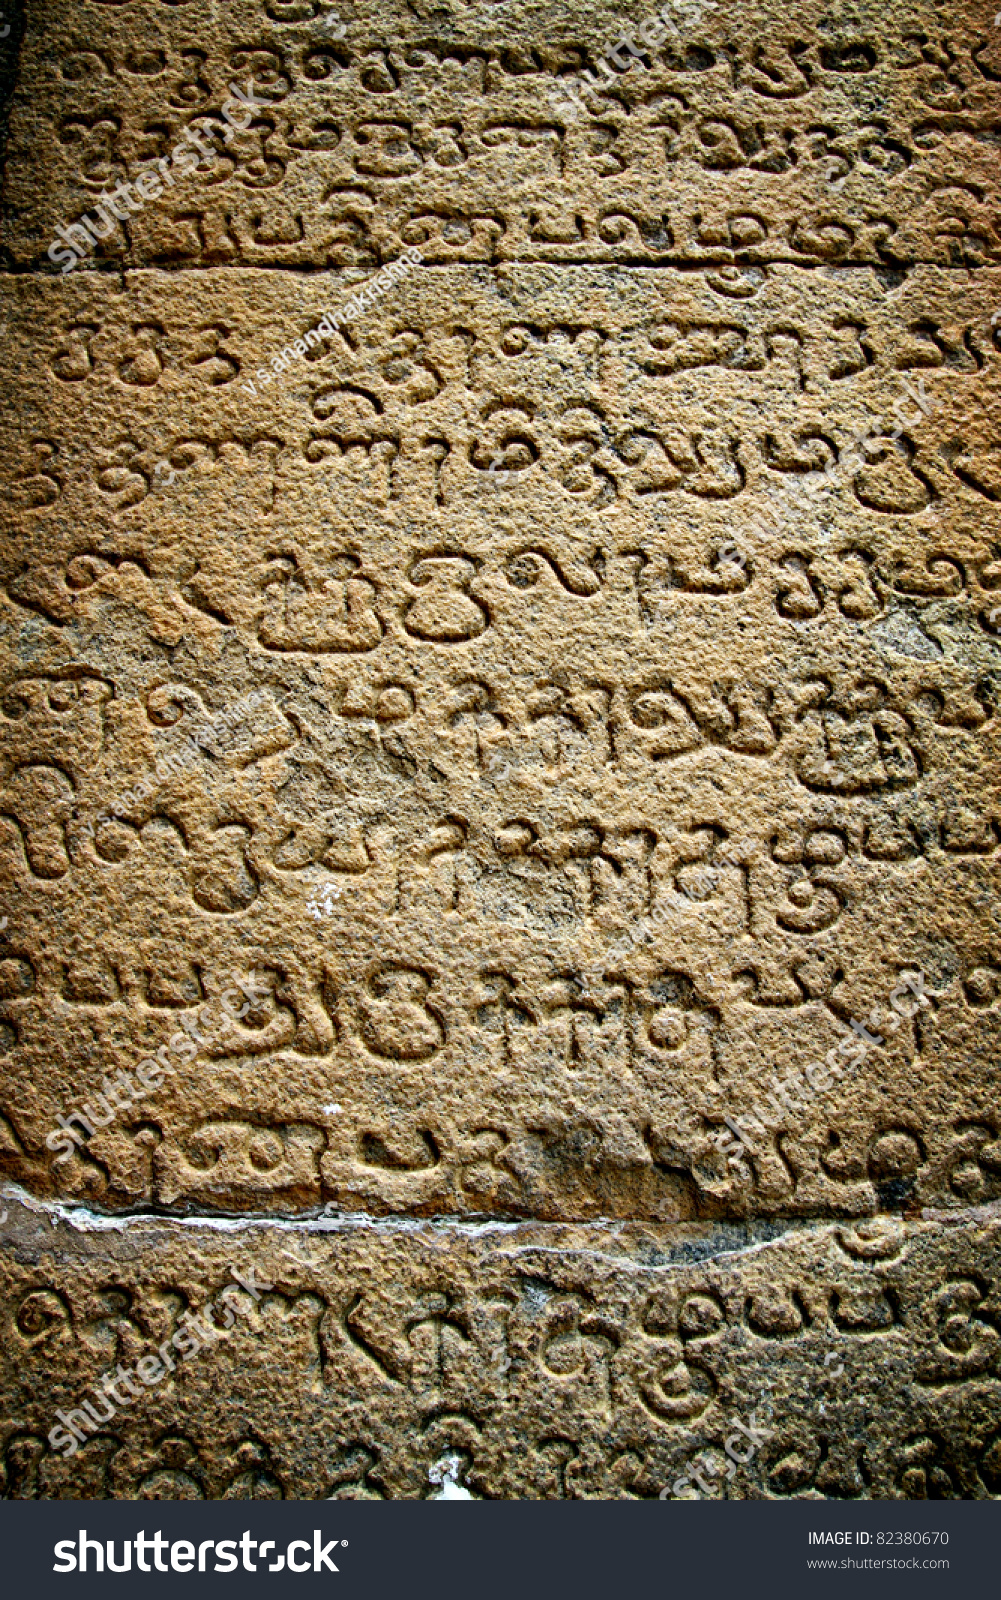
748	135
502	763
575	800
377	1362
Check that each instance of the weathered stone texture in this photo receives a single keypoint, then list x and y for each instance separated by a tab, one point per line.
552	1361
620	600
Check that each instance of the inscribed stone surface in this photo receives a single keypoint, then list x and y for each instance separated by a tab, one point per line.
524	756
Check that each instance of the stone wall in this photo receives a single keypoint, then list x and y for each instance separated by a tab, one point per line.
499	823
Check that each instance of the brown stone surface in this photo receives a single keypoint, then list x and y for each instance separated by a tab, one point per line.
508	723
548	1361
558	841
766	133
